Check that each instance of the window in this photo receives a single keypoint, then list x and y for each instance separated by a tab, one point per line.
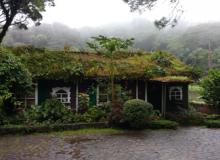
102	94
176	93
62	94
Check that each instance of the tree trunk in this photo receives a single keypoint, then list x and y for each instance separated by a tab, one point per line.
5	28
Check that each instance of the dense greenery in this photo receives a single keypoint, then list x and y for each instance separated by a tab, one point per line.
15	81
14	77
136	113
211	87
47	64
52	111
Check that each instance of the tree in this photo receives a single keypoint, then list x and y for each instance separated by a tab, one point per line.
109	47
19	12
211	87
15	79
171	19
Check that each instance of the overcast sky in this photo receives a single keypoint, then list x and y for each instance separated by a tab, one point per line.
93	13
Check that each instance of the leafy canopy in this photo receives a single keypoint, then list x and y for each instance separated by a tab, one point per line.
107	46
15	79
19	12
172	19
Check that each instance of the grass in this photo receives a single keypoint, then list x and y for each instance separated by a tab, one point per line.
213	123
162	124
195	94
88	131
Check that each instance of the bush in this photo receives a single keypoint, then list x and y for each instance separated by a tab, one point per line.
15	79
115	116
212	117
52	110
187	117
162	124
136	113
95	114
83	102
211	86
213	123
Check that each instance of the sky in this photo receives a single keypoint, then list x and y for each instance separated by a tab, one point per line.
96	13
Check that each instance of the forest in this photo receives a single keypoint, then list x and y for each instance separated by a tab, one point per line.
196	45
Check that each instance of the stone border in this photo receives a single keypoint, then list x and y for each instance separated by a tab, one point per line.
5	130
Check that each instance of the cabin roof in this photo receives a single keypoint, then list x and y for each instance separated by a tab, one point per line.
47	64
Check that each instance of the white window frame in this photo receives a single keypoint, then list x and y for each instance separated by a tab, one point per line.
176	95
98	103
62	100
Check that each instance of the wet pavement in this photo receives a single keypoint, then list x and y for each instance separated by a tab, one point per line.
193	143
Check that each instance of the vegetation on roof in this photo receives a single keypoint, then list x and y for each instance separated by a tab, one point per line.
173	79
47	64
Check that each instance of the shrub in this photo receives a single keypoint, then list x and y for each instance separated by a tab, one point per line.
83	102
211	86
187	117
14	77
115	116
95	114
213	123
52	110
162	124
212	117
136	113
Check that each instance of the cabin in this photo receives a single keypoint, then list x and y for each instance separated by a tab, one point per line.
156	77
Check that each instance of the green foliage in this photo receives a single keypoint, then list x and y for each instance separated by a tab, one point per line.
18	13
14	77
95	114
46	64
116	113
195	73
212	117
211	88
213	123
136	113
52	110
108	46
83	102
161	59
187	117
162	124
155	71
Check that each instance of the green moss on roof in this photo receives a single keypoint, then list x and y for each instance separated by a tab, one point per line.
172	79
47	64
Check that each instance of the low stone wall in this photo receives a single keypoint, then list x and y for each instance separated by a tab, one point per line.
4	130
204	108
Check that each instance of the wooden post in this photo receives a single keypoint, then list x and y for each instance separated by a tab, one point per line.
146	95
137	89
97	95
36	94
163	100
77	96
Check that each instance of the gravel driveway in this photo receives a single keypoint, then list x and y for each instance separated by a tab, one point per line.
192	143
